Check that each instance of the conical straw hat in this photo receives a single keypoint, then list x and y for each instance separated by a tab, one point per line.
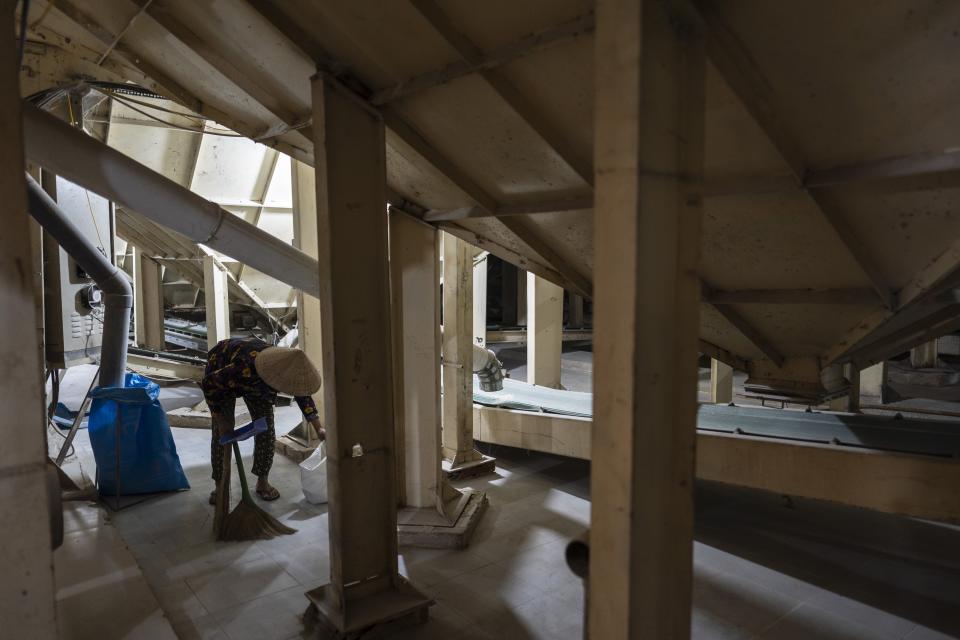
287	370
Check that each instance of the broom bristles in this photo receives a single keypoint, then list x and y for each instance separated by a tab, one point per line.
250	522
247	521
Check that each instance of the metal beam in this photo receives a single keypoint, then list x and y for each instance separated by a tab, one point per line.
505	89
488	60
164	368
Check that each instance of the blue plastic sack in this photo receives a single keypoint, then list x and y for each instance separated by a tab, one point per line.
148	456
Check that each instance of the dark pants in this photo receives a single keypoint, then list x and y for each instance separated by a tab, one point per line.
262	442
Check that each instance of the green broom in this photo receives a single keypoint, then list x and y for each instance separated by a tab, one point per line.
247	521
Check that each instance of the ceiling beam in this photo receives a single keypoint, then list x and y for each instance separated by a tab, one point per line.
508	255
541	206
167	86
750	333
939	323
580	283
920	164
471	53
738	69
723	355
272	157
925	283
488	60
861	296
746	329
415	140
409	135
268	99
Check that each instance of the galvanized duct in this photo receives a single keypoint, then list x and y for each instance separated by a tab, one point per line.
118	295
68	152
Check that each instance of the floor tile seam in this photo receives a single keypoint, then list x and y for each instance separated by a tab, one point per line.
906	636
855	622
759	585
218	615
778	620
194	594
244	603
173	617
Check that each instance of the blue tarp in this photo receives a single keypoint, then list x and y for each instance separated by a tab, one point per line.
148	456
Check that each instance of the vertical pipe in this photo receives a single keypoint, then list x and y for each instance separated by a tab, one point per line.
117	292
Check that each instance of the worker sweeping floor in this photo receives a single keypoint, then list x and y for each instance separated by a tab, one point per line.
763	567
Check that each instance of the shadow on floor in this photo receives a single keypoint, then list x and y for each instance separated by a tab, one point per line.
907	567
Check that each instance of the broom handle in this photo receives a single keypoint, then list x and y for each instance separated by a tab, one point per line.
223	492
243	476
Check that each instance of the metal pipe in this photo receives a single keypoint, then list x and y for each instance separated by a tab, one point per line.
488	369
68	152
118	294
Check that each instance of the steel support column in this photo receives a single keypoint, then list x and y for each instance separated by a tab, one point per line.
26	563
308	307
649	120
458	352
365	585
433	513
544	332
721	382
216	301
147	302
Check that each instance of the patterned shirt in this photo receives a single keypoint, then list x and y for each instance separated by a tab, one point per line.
231	374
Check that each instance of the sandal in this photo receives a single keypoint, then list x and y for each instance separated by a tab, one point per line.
268	494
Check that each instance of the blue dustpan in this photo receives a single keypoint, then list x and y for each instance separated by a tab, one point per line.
257	426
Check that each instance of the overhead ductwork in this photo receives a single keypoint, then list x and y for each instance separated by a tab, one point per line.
116	290
68	152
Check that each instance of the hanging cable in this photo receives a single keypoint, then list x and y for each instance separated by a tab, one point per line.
116	96
171	125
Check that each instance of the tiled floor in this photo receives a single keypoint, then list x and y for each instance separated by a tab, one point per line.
764	568
101	592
